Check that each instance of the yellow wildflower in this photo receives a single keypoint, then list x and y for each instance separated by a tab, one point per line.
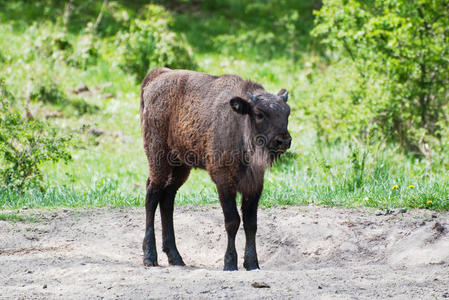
395	187
411	186
429	202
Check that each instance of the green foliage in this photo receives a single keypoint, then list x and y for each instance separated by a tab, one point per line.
358	160
24	146
149	43
257	30
49	41
47	91
338	121
11	217
336	104
14	217
401	47
82	107
2	58
53	42
85	52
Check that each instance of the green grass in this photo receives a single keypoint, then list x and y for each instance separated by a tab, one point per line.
118	179
16	217
111	171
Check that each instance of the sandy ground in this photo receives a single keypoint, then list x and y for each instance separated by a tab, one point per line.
305	252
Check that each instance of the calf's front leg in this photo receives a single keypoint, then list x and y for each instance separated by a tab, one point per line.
249	213
232	223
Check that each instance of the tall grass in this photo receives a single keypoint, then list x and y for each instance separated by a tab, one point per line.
307	178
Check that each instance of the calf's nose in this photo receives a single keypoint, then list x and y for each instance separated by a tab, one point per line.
284	141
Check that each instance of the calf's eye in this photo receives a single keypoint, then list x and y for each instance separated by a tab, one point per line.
259	116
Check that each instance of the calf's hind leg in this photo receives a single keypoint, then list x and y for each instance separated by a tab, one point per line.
178	176
155	193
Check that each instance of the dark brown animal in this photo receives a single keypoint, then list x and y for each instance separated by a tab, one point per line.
228	126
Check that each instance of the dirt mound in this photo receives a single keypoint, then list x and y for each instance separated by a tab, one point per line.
304	251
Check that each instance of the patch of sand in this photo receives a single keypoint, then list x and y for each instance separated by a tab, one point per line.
304	252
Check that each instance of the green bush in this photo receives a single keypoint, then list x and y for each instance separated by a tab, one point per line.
247	42
48	92
2	58
335	103
401	47
85	52
82	107
51	41
48	41
25	145
150	43
258	30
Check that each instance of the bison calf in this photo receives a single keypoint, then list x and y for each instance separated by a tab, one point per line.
228	126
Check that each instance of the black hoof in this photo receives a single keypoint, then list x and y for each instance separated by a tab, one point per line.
149	262
251	266
176	261
150	259
230	268
230	262
174	258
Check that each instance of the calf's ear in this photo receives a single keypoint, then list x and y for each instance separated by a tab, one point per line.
240	105
283	94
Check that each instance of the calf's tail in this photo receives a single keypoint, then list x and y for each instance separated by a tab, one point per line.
150	77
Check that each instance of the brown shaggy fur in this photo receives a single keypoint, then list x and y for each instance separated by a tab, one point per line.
187	121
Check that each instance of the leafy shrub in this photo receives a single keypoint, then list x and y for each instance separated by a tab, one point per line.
25	145
150	43
284	24
85	52
52	42
47	91
2	58
401	46
333	102
358	161
115	17
49	41
83	107
263	44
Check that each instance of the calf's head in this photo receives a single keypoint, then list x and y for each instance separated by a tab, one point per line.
268	114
